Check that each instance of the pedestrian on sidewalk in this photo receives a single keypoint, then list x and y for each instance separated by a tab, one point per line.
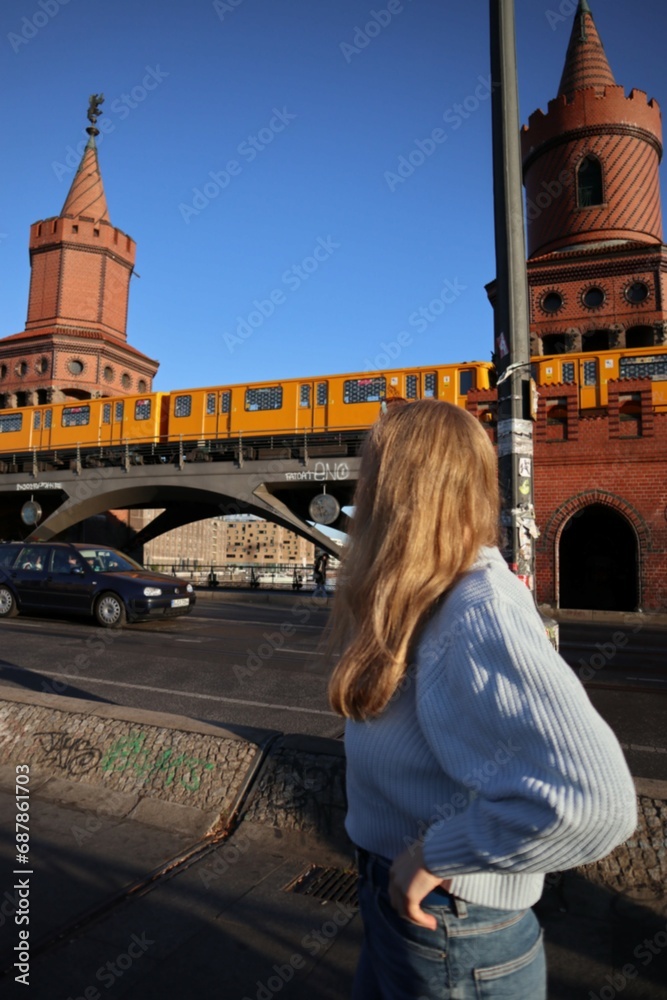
320	574
475	762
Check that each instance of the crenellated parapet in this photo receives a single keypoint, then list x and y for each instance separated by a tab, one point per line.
588	112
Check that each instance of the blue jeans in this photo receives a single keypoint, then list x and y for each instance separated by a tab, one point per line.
476	953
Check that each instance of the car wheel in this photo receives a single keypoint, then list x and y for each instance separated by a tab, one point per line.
7	603
110	611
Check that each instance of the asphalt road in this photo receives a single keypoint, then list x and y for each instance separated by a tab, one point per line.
259	665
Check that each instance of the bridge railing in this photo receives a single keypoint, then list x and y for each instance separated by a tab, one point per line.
280	445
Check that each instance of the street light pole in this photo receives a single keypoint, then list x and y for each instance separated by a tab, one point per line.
511	311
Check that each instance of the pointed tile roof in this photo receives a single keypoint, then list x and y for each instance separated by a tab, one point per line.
586	63
86	195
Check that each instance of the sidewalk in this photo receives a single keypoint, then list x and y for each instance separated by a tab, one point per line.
122	908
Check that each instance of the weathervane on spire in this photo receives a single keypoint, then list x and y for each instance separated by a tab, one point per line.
94	112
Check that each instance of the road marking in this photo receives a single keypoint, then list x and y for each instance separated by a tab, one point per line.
642	749
302	652
189	640
653	680
249	621
187	694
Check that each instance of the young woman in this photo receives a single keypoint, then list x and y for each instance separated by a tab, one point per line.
475	761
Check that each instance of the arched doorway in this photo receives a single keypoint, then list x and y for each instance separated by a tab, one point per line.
598	561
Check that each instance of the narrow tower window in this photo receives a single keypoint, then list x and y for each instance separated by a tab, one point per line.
589	182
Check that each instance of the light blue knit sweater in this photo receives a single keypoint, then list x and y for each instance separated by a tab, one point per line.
490	753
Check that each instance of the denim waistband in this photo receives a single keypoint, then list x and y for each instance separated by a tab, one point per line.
375	868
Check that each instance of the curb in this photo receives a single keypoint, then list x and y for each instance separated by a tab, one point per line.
570	615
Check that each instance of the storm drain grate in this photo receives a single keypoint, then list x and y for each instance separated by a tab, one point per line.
331	884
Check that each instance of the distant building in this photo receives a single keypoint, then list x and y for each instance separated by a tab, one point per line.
223	542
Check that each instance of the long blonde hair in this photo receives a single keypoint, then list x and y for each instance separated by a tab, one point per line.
426	500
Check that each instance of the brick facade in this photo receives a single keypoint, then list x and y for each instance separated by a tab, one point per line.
75	342
597	277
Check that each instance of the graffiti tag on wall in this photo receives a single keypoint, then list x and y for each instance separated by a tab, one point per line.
129	753
74	754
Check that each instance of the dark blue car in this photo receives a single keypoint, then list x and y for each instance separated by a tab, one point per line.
87	579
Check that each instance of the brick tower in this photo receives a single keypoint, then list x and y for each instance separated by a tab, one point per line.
595	247
75	344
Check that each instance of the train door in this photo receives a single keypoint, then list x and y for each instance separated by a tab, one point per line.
305	414
225	414
321	406
42	425
112	424
589	383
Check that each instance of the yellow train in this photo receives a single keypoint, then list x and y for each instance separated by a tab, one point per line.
290	407
216	419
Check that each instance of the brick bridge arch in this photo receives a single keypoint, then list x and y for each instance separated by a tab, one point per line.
621	561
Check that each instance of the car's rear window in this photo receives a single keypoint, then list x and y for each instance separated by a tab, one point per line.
8	555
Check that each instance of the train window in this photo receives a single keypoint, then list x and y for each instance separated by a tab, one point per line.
466	381
430	385
210	404
567	372
648	367
182	406
321	394
364	390
304	395
36	420
119	411
106	413
225	401
142	409
590	373
47	419
410	386
12	422
270	397
76	416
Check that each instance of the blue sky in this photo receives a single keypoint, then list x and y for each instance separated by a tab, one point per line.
303	252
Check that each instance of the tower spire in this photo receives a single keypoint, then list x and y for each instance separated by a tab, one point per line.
586	63
86	195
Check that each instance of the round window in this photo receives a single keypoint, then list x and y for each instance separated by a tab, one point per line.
3	371
22	368
552	302
637	291
126	381
42	366
108	373
593	297
75	367
141	385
